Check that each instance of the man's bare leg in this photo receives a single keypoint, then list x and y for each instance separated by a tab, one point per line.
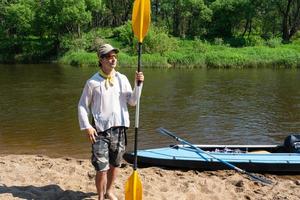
111	177
101	182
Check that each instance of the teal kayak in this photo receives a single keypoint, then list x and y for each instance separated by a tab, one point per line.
254	158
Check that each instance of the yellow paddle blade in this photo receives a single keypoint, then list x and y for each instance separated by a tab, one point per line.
133	187
141	18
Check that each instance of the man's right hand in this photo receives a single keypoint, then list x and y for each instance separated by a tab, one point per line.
91	134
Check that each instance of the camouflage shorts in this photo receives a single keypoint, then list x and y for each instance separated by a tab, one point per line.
109	148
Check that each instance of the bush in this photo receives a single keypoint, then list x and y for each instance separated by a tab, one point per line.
79	58
296	42
254	40
124	34
274	42
236	41
158	41
297	35
88	41
218	41
199	46
26	50
194	46
153	60
70	43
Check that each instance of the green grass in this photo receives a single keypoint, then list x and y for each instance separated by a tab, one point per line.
79	58
197	54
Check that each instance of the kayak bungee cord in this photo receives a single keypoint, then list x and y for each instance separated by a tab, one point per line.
253	177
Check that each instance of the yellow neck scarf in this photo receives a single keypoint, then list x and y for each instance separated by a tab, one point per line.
109	79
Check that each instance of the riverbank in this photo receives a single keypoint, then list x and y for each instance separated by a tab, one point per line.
159	51
41	177
195	54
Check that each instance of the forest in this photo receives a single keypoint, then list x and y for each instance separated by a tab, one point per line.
216	33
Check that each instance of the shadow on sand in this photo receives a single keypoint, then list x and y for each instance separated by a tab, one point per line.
48	192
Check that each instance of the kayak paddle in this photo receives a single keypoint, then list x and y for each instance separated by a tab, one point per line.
252	176
140	25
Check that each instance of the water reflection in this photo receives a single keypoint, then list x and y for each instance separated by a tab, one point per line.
38	107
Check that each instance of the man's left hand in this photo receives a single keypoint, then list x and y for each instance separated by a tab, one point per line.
139	76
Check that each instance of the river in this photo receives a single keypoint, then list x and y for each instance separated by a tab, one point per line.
38	107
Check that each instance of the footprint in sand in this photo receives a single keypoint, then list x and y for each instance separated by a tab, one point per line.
147	186
205	189
184	188
164	189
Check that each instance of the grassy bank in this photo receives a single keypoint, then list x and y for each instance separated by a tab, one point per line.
197	54
160	50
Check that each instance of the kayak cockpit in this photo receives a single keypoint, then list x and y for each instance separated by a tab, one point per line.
259	149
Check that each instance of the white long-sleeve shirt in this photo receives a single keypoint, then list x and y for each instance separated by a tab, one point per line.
108	106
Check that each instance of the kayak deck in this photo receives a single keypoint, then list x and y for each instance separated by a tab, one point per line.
259	158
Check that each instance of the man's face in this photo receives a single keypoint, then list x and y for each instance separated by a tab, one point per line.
110	60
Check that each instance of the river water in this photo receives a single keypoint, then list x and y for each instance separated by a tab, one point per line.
38	107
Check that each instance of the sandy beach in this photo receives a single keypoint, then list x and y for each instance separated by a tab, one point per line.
41	177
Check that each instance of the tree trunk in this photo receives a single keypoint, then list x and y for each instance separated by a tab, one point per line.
246	27
78	30
176	19
285	23
250	27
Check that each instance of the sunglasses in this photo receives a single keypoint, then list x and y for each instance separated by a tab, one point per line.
111	56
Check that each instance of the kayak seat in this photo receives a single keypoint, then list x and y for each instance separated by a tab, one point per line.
292	143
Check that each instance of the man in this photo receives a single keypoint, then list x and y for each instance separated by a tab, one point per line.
105	98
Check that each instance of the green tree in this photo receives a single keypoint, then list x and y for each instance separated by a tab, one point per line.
18	17
185	18
95	7
199	15
112	13
57	17
289	11
2	14
227	15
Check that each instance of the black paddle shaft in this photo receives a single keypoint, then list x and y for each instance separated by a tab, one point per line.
135	148
139	60
137	111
